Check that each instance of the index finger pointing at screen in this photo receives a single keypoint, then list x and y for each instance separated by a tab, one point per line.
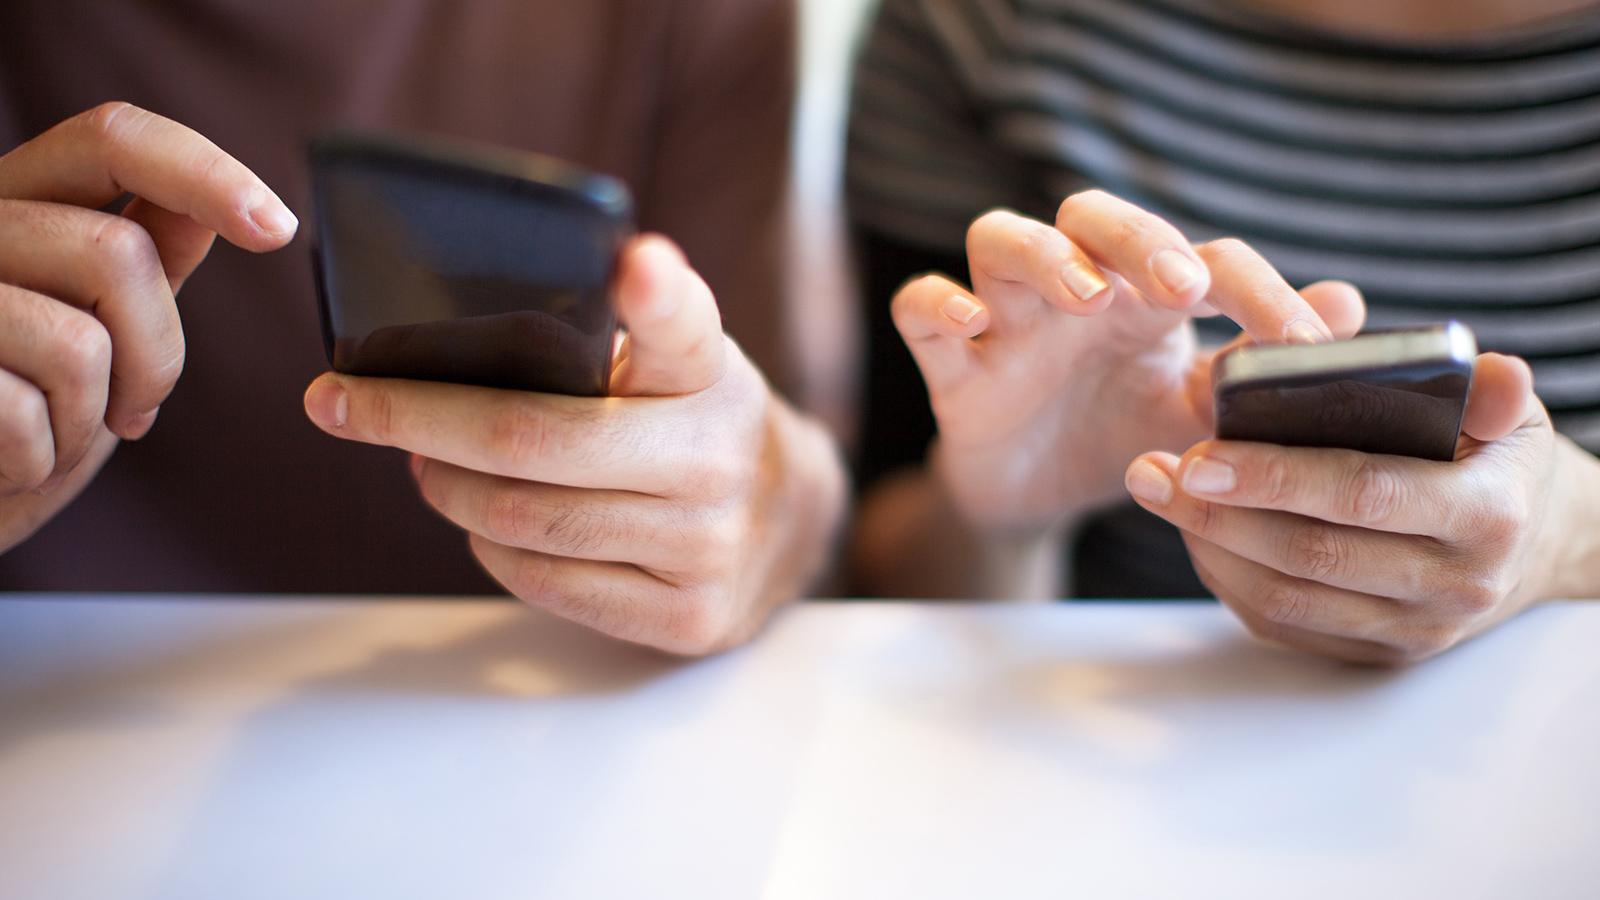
1248	290
94	158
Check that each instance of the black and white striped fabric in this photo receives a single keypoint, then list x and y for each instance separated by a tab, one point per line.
1457	180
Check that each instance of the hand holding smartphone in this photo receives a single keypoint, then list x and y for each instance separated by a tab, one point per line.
447	261
1398	392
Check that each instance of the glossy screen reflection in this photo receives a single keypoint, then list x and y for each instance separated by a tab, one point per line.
488	269
1414	411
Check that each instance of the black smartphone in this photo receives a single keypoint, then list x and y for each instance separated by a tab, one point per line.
1401	392
449	261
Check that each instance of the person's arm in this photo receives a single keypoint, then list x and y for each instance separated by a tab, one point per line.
1041	388
92	343
922	165
908	539
911	539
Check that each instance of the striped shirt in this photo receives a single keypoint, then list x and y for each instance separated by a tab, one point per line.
1445	180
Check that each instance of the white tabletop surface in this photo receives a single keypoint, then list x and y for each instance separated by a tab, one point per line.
187	748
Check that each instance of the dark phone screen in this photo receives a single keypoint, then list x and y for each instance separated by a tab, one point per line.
443	272
1406	411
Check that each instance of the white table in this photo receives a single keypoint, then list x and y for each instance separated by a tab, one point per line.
296	748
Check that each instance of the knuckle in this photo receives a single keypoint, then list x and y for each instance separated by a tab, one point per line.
905	299
378	414
508	516
167	363
736	474
1376	494
990	221
1228	248
714	541
1233	254
929	287
1133	231
535	581
518	435
110	123
1033	241
212	165
715	470
1317	550
577	530
1081	202
84	347
1501	517
26	448
698	621
1276	480
1285	602
1470	593
126	248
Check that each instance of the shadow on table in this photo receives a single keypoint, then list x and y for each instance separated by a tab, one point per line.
465	766
524	654
1243	744
527	654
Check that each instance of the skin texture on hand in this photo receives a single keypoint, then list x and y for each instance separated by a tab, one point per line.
1072	353
1387	559
92	343
678	512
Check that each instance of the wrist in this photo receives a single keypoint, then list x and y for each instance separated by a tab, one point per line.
1011	558
1570	563
813	495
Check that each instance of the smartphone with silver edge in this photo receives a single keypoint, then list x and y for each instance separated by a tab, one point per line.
445	260
1399	392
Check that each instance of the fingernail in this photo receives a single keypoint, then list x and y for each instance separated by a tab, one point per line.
270	215
329	405
961	309
1146	481
1303	332
1176	272
1084	283
1205	475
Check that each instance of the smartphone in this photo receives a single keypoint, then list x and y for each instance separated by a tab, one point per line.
1400	392
449	261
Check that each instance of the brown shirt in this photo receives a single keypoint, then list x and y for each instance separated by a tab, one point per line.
234	490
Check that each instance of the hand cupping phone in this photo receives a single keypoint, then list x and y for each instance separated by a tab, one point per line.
448	261
1399	392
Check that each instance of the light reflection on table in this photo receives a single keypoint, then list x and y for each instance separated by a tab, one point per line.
165	747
